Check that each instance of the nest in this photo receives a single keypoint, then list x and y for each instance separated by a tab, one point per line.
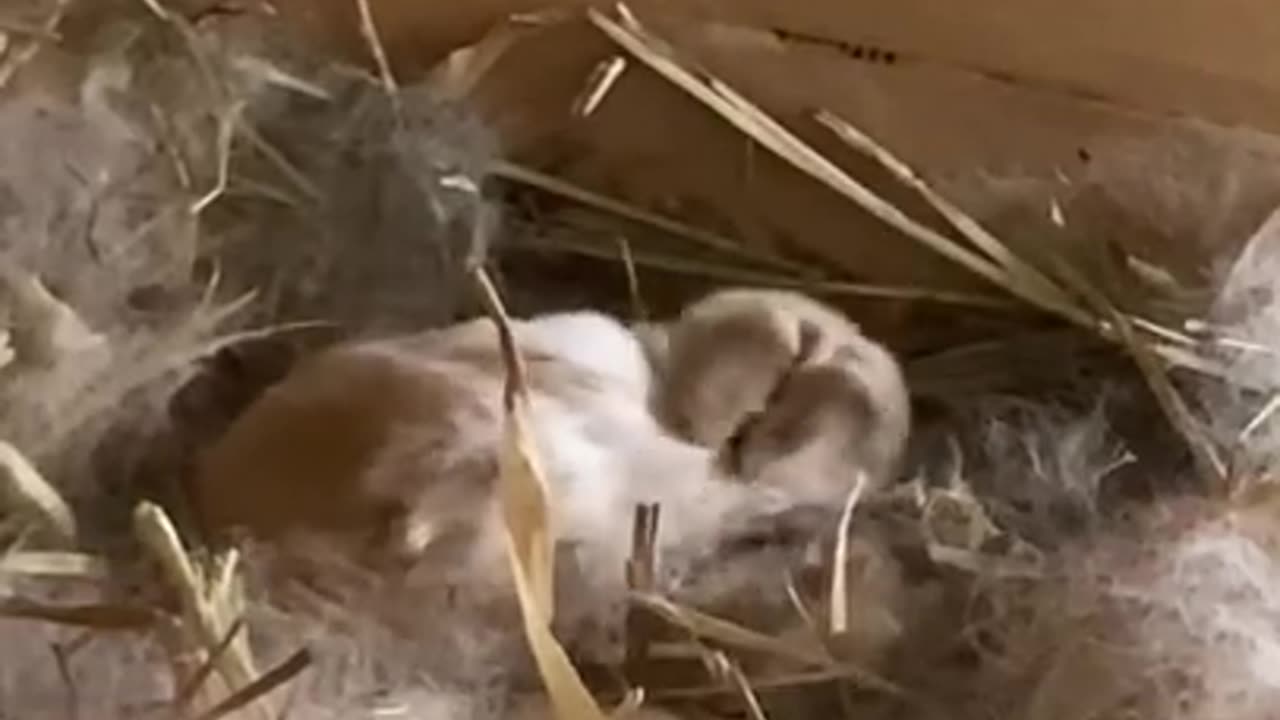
192	197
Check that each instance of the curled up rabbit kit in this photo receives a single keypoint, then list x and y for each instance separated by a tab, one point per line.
352	381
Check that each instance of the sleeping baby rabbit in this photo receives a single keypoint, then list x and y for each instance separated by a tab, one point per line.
392	446
388	448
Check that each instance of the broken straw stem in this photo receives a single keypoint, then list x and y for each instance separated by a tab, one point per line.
200	608
23	489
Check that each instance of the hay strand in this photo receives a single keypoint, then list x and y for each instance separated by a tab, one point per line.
206	610
24	490
970	229
763	129
602	79
723	667
93	616
274	678
373	40
729	634
720	271
641	575
840	572
519	174
66	565
530	537
14	58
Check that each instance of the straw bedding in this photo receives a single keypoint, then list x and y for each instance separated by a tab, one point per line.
191	201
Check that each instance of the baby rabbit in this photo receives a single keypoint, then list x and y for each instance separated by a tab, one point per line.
786	388
388	449
392	445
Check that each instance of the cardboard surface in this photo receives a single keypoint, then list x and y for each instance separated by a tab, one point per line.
1063	95
1214	58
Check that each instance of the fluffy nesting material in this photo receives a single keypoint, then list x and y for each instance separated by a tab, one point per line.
1142	607
151	175
54	673
1247	318
1170	617
335	209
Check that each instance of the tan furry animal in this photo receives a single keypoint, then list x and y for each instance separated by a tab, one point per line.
363	436
391	446
386	450
783	385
